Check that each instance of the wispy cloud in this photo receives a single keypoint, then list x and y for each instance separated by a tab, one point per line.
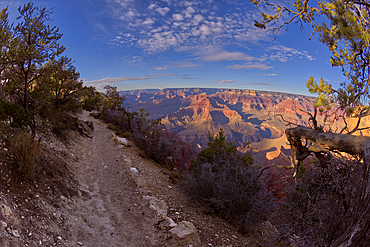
189	77
163	11
250	66
177	65
284	54
228	56
117	79
225	81
99	84
257	83
168	74
270	74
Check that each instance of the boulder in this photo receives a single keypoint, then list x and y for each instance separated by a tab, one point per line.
120	140
84	128
185	234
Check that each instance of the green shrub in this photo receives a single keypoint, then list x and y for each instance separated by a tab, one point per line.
226	182
25	151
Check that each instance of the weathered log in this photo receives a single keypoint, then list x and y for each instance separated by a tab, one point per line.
325	142
358	233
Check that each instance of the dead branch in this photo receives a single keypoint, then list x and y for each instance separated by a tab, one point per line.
280	166
286	121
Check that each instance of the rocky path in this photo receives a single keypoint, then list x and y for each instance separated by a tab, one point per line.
110	210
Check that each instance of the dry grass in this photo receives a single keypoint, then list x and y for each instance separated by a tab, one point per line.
25	150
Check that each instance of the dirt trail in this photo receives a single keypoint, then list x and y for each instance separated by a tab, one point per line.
110	210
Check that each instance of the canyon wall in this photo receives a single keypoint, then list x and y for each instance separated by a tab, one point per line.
245	115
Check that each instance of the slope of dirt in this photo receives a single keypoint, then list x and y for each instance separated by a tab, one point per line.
93	192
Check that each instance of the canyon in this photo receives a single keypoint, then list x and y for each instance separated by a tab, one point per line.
247	116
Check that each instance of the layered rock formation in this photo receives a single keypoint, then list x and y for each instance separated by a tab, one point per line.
245	115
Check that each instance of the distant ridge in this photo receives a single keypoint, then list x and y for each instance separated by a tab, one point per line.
208	91
245	115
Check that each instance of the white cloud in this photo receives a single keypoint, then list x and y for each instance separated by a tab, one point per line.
258	83
205	30
117	79
197	19
228	56
249	66
148	21
187	3
168	74
152	6
270	74
177	17
177	65
225	81
188	12
163	11
283	54
123	3
99	84
165	67
187	27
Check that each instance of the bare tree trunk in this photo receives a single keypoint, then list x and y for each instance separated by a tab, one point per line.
321	142
305	141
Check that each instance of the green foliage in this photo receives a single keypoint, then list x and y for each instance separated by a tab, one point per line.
25	151
91	99
114	106
147	134
34	74
217	147
344	28
227	182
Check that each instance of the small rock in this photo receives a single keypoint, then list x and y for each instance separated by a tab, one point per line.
5	210
133	169
3	225
170	221
59	237
157	205
16	233
80	244
122	141
185	234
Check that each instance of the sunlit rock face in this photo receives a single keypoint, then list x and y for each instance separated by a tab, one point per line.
245	115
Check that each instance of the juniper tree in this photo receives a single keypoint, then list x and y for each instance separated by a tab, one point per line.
342	25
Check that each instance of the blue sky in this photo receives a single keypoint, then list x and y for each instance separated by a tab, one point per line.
137	44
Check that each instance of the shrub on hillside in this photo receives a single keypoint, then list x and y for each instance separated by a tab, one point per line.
227	182
25	151
91	99
149	136
321	206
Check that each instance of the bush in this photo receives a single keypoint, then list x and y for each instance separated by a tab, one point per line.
226	182
61	121
324	204
149	136
25	151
